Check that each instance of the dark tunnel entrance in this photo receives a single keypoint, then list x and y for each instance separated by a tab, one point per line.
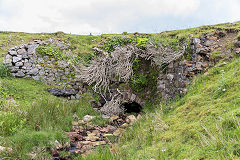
132	107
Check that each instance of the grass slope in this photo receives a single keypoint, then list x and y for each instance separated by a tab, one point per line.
32	120
204	124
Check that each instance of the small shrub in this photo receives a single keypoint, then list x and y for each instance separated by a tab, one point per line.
50	50
115	42
141	42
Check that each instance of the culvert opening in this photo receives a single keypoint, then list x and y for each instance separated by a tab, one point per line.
131	107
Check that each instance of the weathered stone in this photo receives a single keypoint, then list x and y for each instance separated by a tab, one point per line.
8	59
108	129
88	118
119	132
196	40
17	58
2	149
41	72
21	51
170	77
133	97
40	60
12	53
33	71
209	43
131	119
19	74
114	117
62	92
32	48
124	125
36	78
91	138
19	64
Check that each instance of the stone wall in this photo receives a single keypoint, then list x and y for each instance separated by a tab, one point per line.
172	81
24	62
174	78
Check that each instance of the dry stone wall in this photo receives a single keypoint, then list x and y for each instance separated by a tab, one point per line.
25	62
175	77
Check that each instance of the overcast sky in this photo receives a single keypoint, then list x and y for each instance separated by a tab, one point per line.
113	16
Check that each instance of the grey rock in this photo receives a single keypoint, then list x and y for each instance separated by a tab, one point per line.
62	92
196	40
73	97
61	45
8	59
21	51
14	69
40	60
19	74
33	71
209	43
12	53
170	77
32	48
41	72
19	64
37	78
78	96
25	56
17	59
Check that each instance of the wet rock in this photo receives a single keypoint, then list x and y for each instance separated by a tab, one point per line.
62	92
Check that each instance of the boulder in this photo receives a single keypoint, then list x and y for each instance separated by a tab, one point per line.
33	71
62	92
19	64
12	53
8	59
19	74
17	58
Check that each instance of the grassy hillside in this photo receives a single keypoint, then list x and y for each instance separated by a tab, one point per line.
204	124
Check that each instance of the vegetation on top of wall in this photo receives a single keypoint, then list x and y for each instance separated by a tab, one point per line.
50	50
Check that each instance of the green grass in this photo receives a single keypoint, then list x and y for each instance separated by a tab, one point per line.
32	119
204	124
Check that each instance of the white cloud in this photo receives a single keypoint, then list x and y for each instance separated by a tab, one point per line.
85	16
